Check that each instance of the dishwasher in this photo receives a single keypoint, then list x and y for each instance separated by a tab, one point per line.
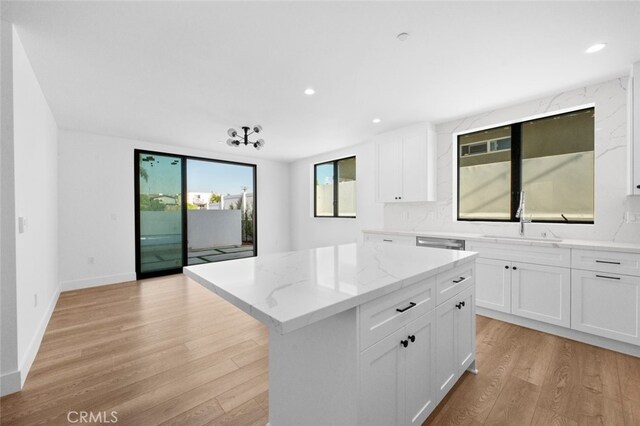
443	243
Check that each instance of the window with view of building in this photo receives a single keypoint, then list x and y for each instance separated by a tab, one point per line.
335	188
550	159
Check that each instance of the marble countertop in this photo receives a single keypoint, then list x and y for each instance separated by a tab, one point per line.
567	243
290	290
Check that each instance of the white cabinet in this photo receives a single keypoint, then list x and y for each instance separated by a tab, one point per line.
541	293
455	340
606	304
413	349
634	104
382	382
538	287
397	376
420	367
406	165
493	284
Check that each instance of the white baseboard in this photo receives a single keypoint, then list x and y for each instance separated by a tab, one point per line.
568	333
34	346
97	281
10	383
13	381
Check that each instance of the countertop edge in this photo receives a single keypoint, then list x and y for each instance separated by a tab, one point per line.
568	243
283	327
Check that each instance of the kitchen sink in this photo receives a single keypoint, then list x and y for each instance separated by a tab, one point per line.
524	238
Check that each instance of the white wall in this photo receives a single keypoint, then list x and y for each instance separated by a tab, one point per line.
308	231
35	200
96	206
611	178
9	373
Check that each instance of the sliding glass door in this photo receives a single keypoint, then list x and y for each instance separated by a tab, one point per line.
191	211
220	211
159	213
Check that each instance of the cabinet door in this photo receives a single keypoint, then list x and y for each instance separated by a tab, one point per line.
382	382
493	284
465	330
414	167
635	87
420	369
606	304
541	293
446	363
389	170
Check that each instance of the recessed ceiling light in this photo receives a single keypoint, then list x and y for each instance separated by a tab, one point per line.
376	120
309	91
596	48
402	36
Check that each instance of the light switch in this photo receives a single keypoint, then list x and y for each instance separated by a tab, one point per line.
22	225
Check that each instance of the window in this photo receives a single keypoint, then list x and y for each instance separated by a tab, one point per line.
335	188
550	159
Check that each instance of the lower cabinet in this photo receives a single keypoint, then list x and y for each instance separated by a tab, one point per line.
396	376
606	304
493	284
541	293
455	340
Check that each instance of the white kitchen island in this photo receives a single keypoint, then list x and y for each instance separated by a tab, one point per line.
358	334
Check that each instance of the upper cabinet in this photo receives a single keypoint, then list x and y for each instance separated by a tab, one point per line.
634	128
406	165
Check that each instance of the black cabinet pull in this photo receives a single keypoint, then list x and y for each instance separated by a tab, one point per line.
411	305
607	277
388	241
638	186
404	343
459	305
506	266
412	338
514	268
462	303
607	261
459	280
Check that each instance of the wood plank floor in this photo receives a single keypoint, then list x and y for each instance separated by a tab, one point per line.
167	351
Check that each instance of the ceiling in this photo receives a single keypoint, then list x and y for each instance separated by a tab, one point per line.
182	73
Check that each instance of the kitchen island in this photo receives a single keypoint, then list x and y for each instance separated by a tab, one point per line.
358	334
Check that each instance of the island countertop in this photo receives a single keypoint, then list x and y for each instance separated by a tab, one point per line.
288	291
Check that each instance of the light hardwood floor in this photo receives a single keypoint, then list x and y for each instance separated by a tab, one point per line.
167	351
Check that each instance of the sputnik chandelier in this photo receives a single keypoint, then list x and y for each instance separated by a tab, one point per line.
236	139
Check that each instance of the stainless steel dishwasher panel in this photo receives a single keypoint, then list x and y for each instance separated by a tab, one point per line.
444	243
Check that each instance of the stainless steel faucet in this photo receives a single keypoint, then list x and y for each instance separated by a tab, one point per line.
520	213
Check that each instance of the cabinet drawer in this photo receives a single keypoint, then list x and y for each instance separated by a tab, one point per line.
552	256
606	304
382	316
606	261
452	282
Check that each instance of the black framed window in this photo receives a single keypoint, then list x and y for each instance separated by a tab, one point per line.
334	188
550	159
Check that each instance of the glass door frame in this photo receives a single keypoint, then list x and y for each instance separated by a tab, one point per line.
137	153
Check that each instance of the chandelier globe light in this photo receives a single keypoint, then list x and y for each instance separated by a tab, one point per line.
242	138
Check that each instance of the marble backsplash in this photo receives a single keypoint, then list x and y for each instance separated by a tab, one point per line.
612	204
